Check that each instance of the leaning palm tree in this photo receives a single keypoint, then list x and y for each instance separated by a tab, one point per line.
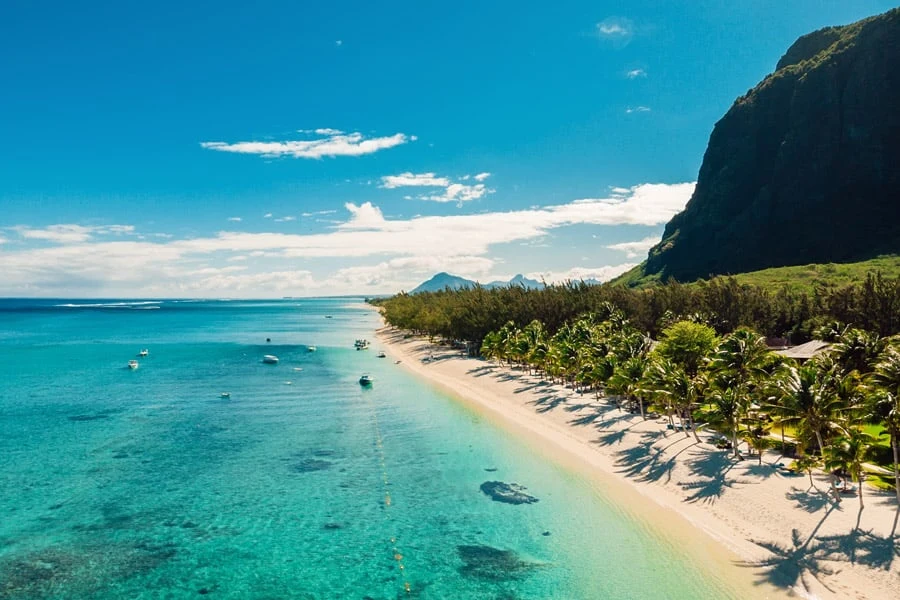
886	401
807	462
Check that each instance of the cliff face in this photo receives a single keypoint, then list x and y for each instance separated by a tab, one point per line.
805	168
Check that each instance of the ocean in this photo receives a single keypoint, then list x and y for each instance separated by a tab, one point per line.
148	483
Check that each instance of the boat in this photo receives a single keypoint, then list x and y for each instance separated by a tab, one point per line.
361	344
311	348
225	395
144	352
365	380
328	316
270	359
381	355
132	364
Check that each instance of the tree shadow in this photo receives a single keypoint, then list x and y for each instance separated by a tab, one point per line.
547	403
531	386
861	547
761	470
794	564
613	437
713	469
482	371
809	501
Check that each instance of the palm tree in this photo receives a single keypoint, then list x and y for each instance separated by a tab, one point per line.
807	462
857	350
628	380
726	408
800	398
756	434
886	402
848	453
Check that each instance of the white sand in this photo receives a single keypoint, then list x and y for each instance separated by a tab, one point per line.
737	517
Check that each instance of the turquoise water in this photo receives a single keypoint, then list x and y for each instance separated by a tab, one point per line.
147	484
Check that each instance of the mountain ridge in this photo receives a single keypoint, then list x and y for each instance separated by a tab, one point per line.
801	169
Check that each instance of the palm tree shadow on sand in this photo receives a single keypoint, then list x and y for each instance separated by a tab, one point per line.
711	470
805	560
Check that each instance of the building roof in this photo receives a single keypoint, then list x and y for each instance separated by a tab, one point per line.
805	351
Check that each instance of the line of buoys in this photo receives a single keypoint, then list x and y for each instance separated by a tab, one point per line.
379	444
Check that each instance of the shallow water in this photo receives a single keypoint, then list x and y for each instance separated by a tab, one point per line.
147	484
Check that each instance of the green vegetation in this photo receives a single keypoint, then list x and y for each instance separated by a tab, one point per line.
802	278
840	410
830	405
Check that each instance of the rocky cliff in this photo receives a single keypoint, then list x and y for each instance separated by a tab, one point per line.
804	168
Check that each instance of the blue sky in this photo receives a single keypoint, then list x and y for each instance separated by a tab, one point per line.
294	148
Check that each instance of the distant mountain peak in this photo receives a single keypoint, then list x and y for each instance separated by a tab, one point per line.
443	280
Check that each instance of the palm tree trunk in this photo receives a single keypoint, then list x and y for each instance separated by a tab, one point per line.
734	441
894	445
859	477
640	400
811	483
693	428
834	490
821	444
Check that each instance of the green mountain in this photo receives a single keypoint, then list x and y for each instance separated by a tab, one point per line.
804	168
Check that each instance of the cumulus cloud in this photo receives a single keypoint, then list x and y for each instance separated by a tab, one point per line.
634	249
392	251
335	143
453	191
635	73
413	180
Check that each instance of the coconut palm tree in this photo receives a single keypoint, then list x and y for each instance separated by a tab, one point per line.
628	380
726	407
886	403
848	453
807	462
799	397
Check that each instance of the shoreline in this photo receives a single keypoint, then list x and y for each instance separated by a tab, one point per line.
732	517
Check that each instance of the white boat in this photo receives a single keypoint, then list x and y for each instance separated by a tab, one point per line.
365	380
381	355
144	352
311	348
225	395
270	359
361	344
132	364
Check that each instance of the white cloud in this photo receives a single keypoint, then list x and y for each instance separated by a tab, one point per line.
393	251
327	131
3	240
338	42
634	249
318	212
453	191
334	144
285	219
635	73
637	109
413	180
601	274
615	28
459	192
234	219
267	216
71	233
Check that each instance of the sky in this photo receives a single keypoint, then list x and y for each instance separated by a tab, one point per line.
269	149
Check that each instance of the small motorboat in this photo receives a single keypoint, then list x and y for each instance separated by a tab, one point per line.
225	395
298	368
361	344
144	352
381	355
311	348
133	364
328	316
270	359
365	380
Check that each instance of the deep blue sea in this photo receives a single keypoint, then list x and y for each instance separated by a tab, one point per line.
147	483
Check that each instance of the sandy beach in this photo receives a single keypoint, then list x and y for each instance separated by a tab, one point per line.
750	522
